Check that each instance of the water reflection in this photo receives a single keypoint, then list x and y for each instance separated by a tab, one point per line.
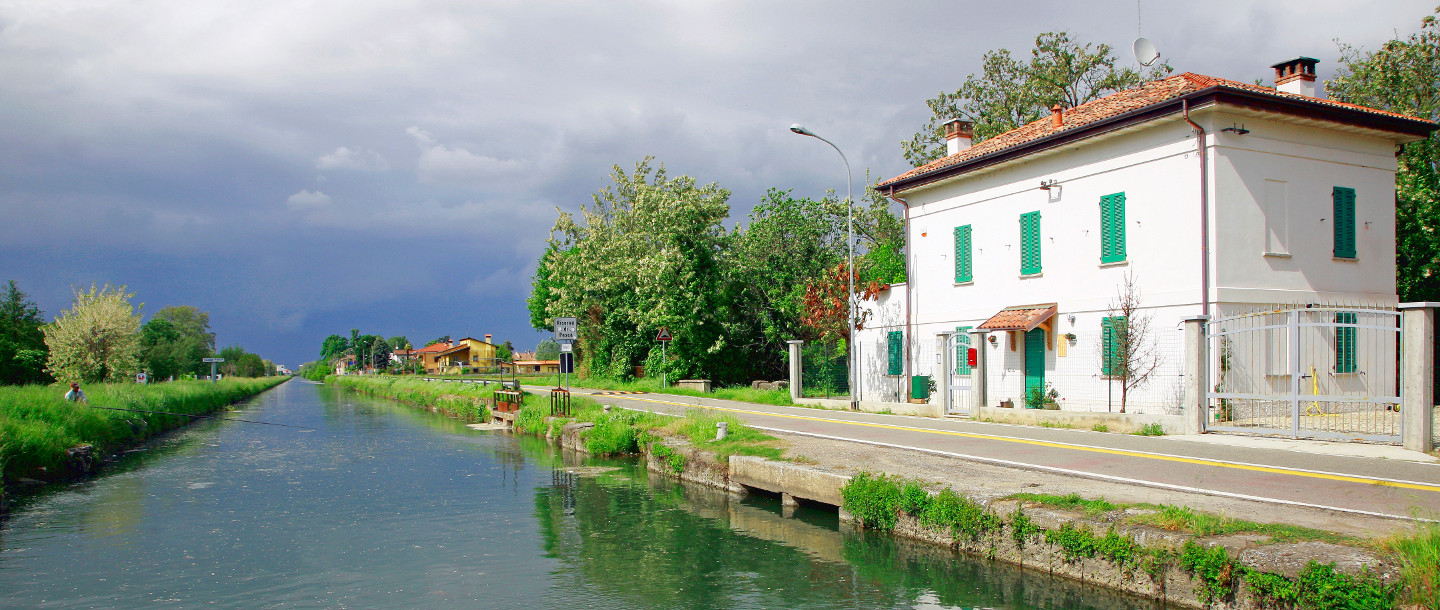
655	543
383	505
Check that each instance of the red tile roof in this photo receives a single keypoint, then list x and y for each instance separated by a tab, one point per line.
1024	317
432	348
1117	104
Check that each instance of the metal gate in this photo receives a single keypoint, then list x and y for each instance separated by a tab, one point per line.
953	373
1314	372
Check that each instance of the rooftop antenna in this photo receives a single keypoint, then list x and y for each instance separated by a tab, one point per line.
1145	51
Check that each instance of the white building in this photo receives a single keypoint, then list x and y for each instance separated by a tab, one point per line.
1217	196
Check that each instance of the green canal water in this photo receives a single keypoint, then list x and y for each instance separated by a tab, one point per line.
385	506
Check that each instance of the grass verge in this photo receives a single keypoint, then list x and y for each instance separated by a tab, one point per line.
38	426
878	502
466	401
738	393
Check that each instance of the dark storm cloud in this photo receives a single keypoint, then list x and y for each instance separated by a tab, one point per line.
300	169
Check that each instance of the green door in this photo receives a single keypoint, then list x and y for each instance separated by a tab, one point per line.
1034	360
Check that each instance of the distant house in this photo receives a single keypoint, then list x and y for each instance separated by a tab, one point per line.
1217	197
402	356
537	366
343	363
428	356
467	353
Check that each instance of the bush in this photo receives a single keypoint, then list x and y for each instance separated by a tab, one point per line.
874	500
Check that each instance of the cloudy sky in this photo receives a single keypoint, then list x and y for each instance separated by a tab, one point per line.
301	168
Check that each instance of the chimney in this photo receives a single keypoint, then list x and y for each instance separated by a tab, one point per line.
487	337
958	135
1296	76
1058	114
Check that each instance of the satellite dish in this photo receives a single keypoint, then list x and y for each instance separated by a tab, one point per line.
1145	52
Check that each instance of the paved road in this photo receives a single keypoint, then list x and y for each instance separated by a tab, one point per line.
1369	485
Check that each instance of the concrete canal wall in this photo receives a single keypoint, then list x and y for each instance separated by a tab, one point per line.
1177	567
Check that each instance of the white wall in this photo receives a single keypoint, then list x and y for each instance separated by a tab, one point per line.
1158	169
1309	163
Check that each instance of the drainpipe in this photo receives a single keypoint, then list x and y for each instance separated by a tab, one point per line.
909	294
1204	210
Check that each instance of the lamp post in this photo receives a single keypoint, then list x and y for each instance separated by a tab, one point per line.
849	268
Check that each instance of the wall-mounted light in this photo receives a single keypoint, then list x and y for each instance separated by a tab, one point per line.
1049	184
1239	131
1072	319
993	341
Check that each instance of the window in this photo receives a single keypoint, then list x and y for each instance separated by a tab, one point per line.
1112	349
963	265
1112	228
896	343
1345	342
962	350
1344	222
1030	243
1277	218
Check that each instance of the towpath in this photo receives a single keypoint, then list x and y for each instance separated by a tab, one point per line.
1261	477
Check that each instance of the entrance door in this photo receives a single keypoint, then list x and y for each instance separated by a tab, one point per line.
1034	360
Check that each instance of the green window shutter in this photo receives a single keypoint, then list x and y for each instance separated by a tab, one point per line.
1112	228
1112	357
1030	243
964	266
962	349
896	341
1344	222
1345	343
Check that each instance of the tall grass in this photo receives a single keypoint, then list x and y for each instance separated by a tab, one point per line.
464	400
1419	556
652	385
38	425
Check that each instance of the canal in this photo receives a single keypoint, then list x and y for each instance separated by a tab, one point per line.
380	505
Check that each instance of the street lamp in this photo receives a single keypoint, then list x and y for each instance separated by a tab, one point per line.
849	267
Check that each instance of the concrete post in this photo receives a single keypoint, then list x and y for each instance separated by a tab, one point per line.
1417	366
795	367
1195	409
978	398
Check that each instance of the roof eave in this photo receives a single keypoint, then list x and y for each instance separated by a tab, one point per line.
1198	99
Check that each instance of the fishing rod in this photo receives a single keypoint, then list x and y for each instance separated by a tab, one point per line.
248	421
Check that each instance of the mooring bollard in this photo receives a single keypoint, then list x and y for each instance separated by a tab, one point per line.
607	408
721	429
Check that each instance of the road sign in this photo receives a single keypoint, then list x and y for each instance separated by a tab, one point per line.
565	348
213	360
567	329
567	362
663	335
140	377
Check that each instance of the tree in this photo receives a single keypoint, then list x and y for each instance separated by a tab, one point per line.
333	346
1404	76
399	342
22	339
195	343
97	339
1128	350
646	254
157	354
505	352
1009	93
379	352
547	350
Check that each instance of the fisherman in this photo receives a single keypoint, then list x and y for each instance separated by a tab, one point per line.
76	394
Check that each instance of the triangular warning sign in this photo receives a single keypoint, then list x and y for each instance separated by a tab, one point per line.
664	334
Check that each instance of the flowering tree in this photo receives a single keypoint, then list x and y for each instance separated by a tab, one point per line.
98	339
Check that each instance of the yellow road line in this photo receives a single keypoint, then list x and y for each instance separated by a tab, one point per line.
1137	454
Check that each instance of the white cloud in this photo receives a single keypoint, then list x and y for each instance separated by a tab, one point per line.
308	199
440	163
357	159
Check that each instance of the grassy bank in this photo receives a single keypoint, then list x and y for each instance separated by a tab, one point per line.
467	401
879	502
38	427
616	433
646	384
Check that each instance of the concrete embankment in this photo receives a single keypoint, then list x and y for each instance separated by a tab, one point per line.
1103	549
